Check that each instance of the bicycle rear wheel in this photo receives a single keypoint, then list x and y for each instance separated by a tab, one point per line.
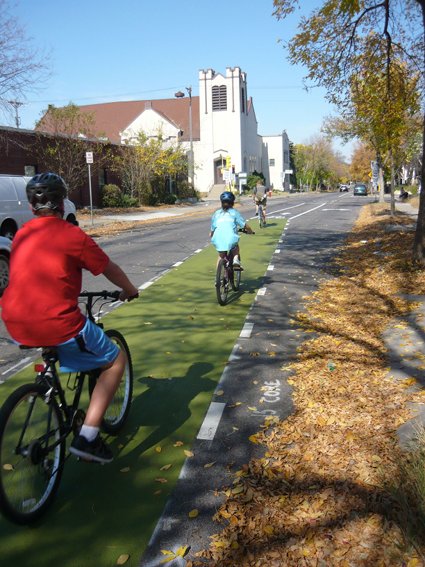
221	283
118	409
32	453
261	216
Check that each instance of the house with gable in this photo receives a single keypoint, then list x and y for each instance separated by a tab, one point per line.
220	124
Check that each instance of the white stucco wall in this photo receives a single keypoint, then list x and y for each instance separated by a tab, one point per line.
151	123
276	148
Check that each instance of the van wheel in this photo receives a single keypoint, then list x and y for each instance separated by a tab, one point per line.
8	230
4	272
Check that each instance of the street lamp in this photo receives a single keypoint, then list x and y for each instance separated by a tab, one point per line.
180	94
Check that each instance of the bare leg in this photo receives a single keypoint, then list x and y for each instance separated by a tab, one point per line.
104	391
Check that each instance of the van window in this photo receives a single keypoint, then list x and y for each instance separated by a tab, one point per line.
20	187
7	190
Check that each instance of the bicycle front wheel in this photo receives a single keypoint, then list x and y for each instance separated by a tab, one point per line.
221	283
32	453
236	279
119	408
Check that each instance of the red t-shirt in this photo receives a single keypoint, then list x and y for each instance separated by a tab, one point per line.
40	305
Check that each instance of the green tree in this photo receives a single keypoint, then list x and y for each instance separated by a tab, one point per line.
332	41
317	164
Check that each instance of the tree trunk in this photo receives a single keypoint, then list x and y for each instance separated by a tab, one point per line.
392	184
419	242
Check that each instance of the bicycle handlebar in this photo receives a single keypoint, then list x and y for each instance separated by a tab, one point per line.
106	294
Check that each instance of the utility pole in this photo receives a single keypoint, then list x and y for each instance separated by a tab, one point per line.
190	155
16	104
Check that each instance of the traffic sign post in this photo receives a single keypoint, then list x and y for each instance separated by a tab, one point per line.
89	160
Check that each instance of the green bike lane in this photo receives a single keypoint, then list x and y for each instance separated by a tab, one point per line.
180	340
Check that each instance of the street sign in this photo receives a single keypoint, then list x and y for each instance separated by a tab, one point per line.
89	157
228	162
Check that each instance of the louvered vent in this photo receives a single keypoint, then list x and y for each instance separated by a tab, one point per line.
219	97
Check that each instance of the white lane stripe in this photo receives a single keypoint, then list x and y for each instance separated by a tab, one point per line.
246	331
212	419
262	291
22	362
270	268
309	211
277	251
197	251
177	264
145	285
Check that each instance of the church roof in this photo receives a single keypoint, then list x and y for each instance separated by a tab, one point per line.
111	118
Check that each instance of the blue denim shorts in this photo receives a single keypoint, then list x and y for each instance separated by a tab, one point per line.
98	350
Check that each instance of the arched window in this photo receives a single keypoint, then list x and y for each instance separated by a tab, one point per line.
219	97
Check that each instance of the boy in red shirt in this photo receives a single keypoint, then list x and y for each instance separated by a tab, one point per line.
40	304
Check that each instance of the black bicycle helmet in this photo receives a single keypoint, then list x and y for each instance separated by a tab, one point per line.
46	191
227	197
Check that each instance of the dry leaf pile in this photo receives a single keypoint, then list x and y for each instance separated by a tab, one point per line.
319	496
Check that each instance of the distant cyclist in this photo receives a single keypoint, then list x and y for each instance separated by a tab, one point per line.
259	195
225	224
40	305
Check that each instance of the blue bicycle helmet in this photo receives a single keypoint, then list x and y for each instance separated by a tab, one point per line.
227	197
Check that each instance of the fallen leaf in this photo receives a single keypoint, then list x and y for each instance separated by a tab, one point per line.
158	449
123	559
125	469
166	467
193	513
178	444
188	453
208	465
161	480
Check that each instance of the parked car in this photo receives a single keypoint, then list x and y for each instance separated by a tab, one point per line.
360	189
5	244
343	188
14	206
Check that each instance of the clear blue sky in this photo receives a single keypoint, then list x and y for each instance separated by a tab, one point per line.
107	50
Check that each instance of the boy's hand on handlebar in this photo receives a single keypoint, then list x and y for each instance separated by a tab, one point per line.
125	296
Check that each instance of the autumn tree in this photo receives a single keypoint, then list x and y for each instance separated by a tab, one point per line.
147	164
331	43
62	135
360	161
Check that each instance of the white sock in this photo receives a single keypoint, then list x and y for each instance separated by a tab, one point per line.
236	257
89	432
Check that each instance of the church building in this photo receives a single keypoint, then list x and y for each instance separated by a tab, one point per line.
219	126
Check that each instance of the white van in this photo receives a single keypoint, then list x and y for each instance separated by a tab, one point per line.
14	206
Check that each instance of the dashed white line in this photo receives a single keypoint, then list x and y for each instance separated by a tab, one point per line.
270	268
212	419
246	331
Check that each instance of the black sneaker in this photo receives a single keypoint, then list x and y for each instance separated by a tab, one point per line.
95	450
